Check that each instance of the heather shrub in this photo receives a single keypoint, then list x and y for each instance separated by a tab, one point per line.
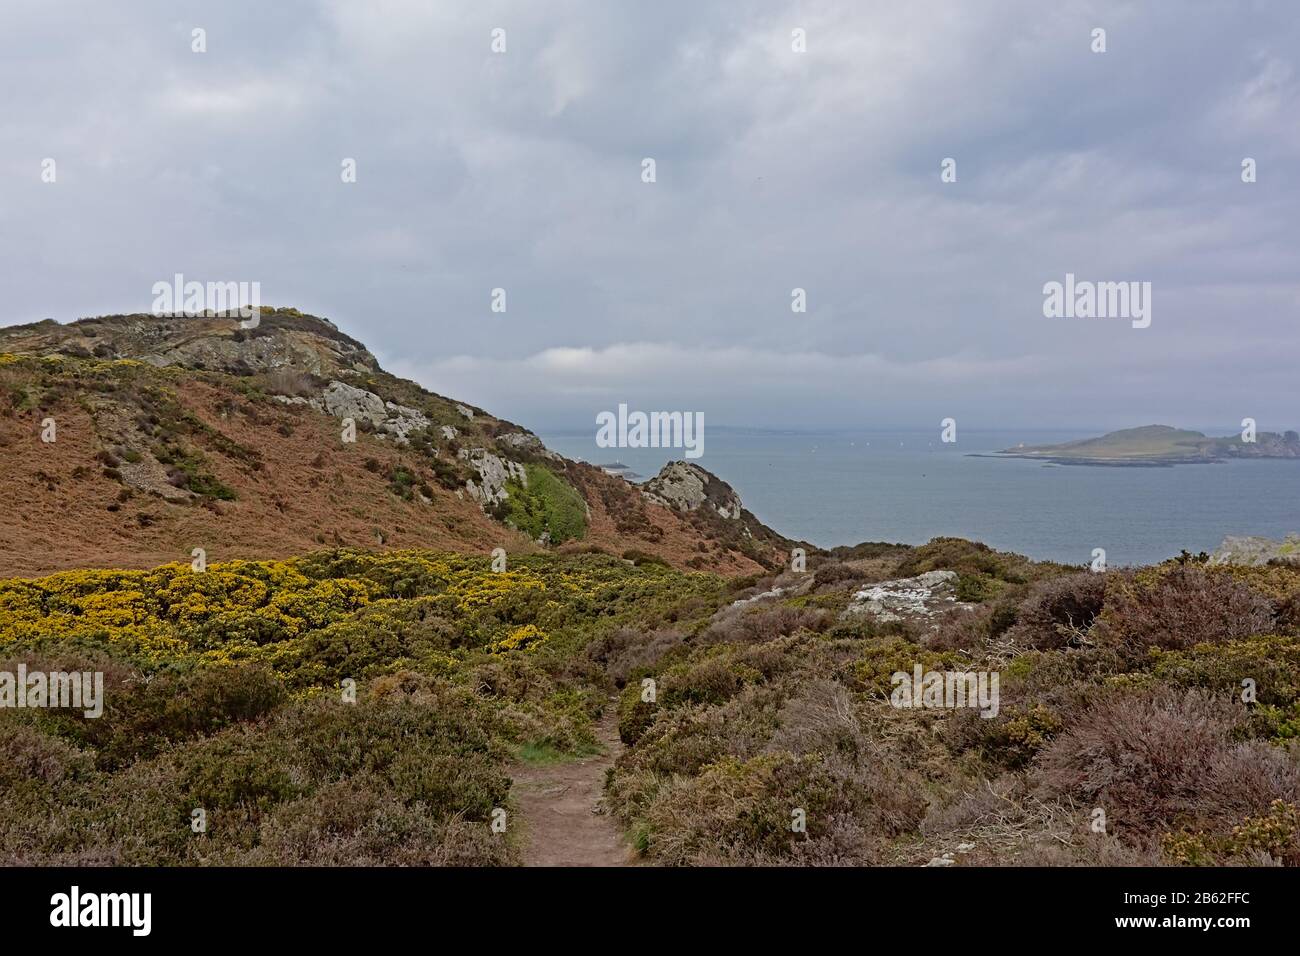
423	765
30	759
716	673
1087	849
628	652
140	719
334	740
1157	757
820	718
1288	613
740	811
1269	666
683	739
1279	583
1059	612
960	631
357	822
1005	609
835	573
972	558
765	621
239	768
634	714
710	680
725	814
981	804
1180	608
446	784
869	551
138	817
1052	674
1039	691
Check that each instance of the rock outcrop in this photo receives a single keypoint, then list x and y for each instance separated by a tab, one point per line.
924	596
686	487
528	443
493	472
284	339
1255	551
347	401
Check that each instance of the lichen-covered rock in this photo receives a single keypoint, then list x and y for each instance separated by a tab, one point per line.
347	401
401	421
1255	551
227	354
771	595
923	596
493	472
685	487
526	442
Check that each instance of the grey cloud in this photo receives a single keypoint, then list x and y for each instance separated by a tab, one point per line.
776	170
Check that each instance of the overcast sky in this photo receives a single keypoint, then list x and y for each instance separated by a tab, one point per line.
775	169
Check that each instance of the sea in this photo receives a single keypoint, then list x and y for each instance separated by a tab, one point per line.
839	487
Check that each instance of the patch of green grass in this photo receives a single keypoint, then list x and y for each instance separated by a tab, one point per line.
544	752
548	504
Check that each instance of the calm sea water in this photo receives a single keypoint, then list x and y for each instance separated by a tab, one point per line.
844	487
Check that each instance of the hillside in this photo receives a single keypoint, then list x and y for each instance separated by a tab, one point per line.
180	433
1159	445
351	679
360	708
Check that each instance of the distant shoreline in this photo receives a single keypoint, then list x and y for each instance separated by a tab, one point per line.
1104	462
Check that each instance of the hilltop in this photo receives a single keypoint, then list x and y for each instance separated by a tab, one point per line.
175	433
1159	445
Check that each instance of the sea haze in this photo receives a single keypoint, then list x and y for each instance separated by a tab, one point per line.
844	487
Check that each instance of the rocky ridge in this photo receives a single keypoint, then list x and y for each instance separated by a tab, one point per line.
178	429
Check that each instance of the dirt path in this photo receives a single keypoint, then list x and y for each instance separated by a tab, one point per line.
558	803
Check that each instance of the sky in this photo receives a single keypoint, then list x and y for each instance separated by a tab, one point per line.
783	160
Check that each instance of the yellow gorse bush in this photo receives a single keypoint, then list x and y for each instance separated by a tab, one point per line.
321	616
521	638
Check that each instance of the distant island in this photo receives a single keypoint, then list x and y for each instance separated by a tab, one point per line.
619	470
1157	446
